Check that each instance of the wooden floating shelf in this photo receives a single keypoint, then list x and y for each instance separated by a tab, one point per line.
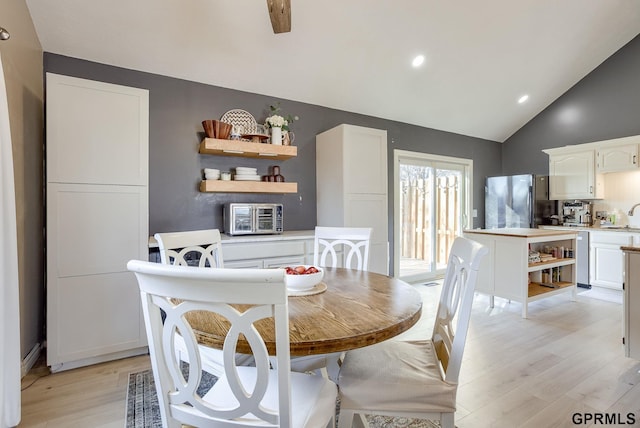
247	187
214	146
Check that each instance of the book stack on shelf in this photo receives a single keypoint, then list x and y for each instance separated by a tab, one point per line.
546	257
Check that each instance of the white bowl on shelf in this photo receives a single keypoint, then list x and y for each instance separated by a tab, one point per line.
303	282
241	170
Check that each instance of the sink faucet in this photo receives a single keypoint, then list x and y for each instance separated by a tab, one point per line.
632	208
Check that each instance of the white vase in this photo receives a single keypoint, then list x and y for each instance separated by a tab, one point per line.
276	136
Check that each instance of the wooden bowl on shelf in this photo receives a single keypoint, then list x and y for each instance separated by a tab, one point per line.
222	130
209	128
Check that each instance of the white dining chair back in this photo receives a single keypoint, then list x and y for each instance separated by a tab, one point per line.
353	242
420	377
187	248
242	396
198	248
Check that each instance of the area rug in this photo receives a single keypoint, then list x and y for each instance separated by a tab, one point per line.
143	410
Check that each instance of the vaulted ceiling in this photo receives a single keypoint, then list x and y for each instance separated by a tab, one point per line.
355	55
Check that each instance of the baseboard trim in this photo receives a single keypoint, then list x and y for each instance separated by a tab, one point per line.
68	365
30	360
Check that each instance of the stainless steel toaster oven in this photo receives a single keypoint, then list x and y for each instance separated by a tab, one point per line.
252	219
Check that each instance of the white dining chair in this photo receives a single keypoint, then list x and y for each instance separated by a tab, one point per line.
417	379
241	396
185	248
329	242
201	248
352	242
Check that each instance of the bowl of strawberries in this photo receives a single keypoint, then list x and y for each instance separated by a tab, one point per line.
302	277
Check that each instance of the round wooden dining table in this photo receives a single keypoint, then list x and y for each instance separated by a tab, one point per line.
357	309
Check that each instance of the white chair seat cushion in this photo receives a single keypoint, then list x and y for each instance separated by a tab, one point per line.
401	376
312	397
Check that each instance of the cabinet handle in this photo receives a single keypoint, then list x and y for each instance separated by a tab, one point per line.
591	190
634	159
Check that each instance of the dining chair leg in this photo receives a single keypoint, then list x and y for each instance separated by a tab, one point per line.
447	420
332	423
346	419
363	420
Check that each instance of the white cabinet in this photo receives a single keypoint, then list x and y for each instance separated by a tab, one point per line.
97	220
620	154
575	172
506	272
631	305
572	175
617	158
606	260
351	183
268	251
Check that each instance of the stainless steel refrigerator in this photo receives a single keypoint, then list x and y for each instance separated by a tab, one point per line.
518	201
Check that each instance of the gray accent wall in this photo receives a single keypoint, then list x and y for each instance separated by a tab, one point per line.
177	108
603	105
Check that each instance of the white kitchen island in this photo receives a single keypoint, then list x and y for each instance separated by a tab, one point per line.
507	273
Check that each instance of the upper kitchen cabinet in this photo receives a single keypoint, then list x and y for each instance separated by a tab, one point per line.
572	174
351	183
618	155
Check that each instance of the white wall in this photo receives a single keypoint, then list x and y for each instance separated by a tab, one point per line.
22	63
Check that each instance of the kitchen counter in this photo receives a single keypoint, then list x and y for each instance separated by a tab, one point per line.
593	228
518	232
284	236
294	247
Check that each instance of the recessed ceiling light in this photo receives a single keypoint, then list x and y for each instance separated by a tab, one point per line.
523	99
418	61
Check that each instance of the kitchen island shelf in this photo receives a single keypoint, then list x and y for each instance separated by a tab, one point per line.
537	289
223	186
550	264
214	146
507	273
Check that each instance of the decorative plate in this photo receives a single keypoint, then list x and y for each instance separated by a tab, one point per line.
320	287
243	122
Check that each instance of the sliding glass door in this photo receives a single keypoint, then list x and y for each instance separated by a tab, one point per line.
431	209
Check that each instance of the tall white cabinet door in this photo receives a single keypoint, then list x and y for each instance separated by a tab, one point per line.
351	183
370	210
365	160
96	131
97	219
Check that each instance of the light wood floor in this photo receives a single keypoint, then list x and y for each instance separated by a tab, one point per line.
566	358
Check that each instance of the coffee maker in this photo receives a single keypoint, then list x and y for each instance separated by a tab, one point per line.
576	213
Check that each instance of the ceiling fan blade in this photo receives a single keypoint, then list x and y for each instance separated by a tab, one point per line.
280	14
